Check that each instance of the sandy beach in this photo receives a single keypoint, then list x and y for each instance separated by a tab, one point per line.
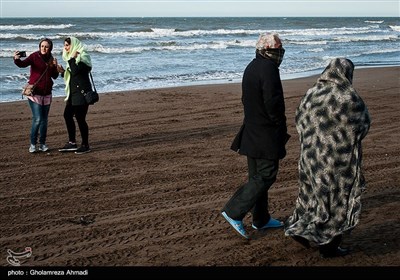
150	192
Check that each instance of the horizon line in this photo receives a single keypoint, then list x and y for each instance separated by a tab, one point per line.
375	16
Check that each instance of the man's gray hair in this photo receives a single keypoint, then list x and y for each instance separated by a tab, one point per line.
266	40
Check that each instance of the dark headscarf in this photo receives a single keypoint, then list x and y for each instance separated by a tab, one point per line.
48	56
276	55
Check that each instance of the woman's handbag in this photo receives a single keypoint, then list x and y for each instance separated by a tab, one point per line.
28	89
91	96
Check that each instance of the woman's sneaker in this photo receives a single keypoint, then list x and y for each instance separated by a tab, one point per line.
43	148
82	150
68	147
32	148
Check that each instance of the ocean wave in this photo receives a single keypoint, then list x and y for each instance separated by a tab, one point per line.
328	31
386	51
395	27
174	45
154	33
370	38
35	27
374	21
28	37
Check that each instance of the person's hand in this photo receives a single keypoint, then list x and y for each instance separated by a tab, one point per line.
60	69
16	55
55	63
75	55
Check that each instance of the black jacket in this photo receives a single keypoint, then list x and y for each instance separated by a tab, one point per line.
263	134
79	82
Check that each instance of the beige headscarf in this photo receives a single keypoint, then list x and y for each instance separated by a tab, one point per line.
83	56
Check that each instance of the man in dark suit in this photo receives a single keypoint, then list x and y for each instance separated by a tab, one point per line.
261	138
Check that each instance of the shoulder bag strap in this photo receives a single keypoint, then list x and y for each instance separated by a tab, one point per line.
91	78
41	76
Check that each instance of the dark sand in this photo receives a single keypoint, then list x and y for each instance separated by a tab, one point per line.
150	192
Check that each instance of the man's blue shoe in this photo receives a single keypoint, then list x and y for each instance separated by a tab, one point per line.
272	223
237	225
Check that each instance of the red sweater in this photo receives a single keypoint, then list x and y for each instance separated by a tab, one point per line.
38	66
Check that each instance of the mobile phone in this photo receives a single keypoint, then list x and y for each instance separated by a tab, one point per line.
22	53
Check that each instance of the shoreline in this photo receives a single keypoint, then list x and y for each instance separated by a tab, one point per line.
297	76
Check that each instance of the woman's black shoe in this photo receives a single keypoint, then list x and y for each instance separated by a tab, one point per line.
338	252
304	242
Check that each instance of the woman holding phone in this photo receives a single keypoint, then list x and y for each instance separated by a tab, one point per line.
43	70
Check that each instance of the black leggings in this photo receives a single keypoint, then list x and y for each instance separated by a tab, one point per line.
80	113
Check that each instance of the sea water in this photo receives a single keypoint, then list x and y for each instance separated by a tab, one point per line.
142	53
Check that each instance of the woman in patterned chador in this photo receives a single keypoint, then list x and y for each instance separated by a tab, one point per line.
331	121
